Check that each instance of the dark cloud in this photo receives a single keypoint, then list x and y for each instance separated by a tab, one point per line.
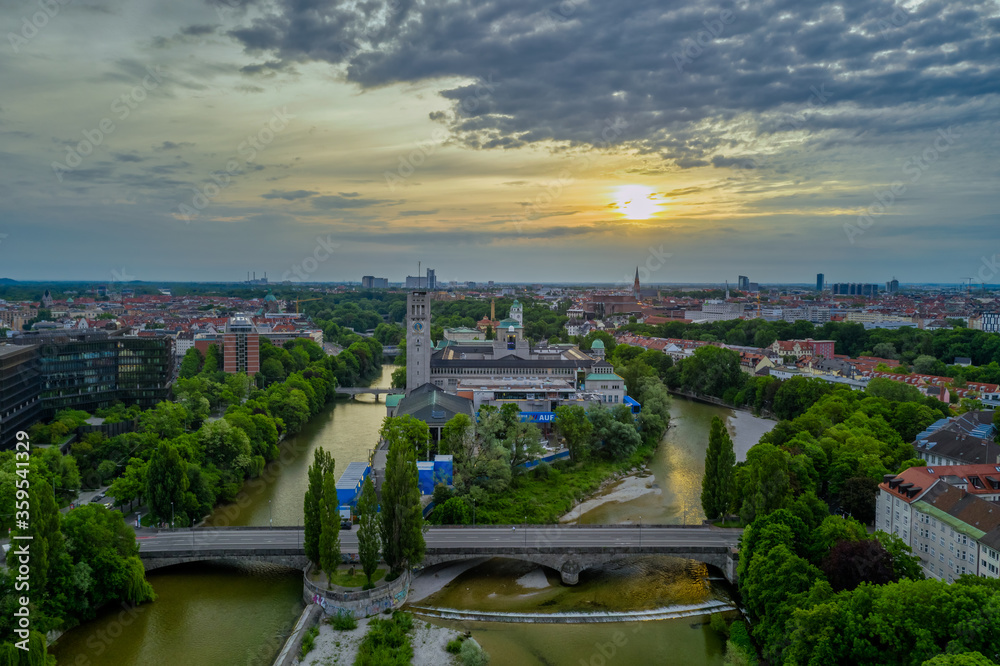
173	145
289	195
268	68
669	78
416	213
127	157
198	30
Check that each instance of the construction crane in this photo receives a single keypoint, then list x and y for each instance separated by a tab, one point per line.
969	280
304	300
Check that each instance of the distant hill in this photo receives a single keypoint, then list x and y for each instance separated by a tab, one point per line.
8	281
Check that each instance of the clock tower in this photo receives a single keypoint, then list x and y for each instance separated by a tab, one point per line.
418	339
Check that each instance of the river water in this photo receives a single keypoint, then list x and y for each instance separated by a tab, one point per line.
219	614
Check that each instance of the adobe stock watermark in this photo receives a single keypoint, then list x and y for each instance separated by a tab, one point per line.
915	166
553	189
694	48
897	19
122	107
248	151
301	271
408	164
31	27
100	640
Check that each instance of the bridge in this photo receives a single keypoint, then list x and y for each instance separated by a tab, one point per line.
569	549
358	390
391	350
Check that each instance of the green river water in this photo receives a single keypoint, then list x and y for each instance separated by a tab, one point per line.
220	615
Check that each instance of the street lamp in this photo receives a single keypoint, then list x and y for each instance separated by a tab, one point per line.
640	531
270	523
171	515
525	530
473	511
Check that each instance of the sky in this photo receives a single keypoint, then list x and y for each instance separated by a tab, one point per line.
507	140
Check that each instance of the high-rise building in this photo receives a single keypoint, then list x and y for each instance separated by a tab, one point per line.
743	283
820	280
855	289
892	286
372	282
418	339
92	369
428	281
241	346
20	398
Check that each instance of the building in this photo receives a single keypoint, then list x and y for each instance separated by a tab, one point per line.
820	280
418	340
91	369
855	289
432	405
20	391
948	515
802	348
241	346
743	283
608	385
892	286
715	310
964	440
428	282
636	291
990	322
372	282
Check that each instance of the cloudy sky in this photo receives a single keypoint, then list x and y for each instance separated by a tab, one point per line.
499	139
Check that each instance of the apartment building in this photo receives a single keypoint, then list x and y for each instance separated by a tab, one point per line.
949	516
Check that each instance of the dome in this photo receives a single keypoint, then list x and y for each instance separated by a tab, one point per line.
598	344
270	297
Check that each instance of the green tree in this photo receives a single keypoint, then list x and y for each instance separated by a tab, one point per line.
402	520
857	497
166	482
311	506
369	530
329	538
572	423
717	483
191	363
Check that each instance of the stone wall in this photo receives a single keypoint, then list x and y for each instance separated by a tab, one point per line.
290	652
359	604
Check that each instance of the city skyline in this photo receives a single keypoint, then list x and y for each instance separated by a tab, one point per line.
562	143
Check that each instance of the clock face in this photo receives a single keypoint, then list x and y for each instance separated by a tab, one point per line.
417	327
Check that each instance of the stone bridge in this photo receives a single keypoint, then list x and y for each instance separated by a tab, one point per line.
566	549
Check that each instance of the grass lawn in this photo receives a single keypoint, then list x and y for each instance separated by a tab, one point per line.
345	579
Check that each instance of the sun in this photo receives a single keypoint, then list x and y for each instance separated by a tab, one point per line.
636	202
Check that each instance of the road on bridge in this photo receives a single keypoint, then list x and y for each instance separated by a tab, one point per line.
532	537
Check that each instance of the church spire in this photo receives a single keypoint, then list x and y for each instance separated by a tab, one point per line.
635	287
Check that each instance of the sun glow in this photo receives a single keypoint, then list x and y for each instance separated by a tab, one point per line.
636	202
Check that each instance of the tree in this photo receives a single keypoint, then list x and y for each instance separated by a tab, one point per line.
572	423
904	563
850	563
166	482
312	516
399	377
402	520
885	350
329	538
369	530
717	483
191	363
857	497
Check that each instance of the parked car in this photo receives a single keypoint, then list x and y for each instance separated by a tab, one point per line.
346	524
97	498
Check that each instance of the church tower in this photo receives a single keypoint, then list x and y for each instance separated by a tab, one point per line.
635	286
418	340
517	312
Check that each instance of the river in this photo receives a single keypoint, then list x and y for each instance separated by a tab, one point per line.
219	614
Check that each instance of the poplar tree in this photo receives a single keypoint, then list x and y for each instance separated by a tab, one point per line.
717	484
402	519
329	538
311	504
369	530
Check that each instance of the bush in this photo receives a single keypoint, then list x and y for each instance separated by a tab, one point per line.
387	642
739	648
343	622
473	655
719	625
309	640
455	645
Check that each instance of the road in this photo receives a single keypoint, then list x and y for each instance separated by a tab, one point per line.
542	536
